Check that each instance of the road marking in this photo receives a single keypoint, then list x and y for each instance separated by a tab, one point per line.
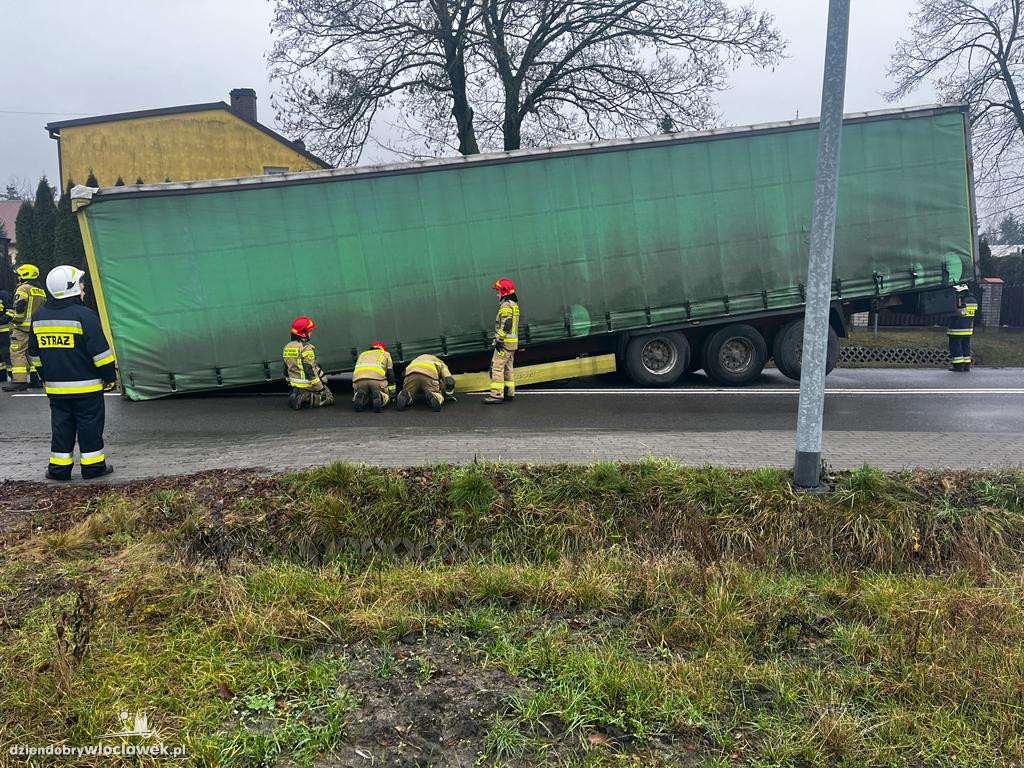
754	392
43	394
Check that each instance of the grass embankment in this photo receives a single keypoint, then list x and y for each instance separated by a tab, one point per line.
647	615
1000	349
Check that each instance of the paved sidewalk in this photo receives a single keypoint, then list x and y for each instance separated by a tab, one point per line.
890	450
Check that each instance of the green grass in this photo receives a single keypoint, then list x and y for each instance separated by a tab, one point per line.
652	614
1001	349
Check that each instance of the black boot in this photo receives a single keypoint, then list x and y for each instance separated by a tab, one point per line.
34	382
435	404
403	401
378	401
15	386
295	399
359	401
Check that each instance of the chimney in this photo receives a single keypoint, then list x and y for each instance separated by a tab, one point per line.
243	101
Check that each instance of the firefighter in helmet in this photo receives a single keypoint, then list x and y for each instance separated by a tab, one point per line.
305	377
373	380
506	341
28	297
427	378
76	364
961	329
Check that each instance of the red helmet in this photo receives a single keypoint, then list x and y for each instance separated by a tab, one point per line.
378	345
302	325
504	286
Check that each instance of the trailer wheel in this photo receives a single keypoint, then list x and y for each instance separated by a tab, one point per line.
788	348
657	360
735	355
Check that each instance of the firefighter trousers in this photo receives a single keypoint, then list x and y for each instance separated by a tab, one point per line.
77	418
422	384
315	396
960	351
19	355
503	382
370	386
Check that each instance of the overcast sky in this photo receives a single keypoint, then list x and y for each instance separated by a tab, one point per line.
74	59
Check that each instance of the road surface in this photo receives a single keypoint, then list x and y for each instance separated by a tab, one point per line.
890	418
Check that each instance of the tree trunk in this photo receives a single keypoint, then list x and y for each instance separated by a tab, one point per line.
512	126
461	110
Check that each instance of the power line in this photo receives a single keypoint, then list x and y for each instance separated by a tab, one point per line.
50	114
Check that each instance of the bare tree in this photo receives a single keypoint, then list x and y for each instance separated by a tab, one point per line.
507	73
340	62
597	68
971	52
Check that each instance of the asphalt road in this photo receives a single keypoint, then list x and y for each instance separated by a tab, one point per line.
888	417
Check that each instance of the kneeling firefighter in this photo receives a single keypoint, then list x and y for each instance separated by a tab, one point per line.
373	379
305	377
961	329
76	364
429	378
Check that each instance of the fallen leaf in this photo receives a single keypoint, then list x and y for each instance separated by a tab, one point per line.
597	737
403	728
225	692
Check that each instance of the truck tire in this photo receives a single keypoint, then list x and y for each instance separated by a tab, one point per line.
788	348
735	355
657	360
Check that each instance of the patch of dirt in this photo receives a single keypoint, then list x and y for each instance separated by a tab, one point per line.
426	702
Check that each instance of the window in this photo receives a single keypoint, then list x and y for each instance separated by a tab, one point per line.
275	169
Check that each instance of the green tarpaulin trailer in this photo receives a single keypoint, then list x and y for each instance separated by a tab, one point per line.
675	251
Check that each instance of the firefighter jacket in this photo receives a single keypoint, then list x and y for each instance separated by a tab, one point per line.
69	349
300	365
434	367
374	365
28	297
506	326
963	321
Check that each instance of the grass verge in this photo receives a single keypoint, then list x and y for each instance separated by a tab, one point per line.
644	614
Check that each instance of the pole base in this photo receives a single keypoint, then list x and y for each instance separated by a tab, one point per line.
807	470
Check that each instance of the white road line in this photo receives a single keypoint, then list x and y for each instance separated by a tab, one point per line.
43	394
756	392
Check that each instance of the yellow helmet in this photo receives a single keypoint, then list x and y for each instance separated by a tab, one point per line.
27	271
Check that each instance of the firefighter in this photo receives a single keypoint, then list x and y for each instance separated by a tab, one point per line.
28	296
6	312
428	377
961	329
506	341
76	365
305	377
373	379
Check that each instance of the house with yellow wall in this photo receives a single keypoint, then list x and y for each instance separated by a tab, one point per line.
215	140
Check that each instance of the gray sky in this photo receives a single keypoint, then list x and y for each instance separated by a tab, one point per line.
76	58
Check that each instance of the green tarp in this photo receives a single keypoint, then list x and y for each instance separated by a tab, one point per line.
201	284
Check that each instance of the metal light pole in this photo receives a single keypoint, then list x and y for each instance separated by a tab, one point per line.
807	470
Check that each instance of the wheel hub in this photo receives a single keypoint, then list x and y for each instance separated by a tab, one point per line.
737	355
659	356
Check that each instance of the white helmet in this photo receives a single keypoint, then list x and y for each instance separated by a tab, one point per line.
62	282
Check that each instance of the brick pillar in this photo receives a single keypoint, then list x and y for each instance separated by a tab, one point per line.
991	301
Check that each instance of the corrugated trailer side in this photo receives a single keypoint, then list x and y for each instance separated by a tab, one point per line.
200	280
